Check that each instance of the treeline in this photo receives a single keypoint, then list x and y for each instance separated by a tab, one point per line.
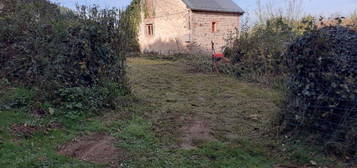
63	61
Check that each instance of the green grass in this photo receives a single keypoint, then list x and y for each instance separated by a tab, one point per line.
12	116
144	147
222	100
39	149
148	128
221	155
145	150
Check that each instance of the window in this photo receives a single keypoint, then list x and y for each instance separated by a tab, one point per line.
149	29
214	27
189	24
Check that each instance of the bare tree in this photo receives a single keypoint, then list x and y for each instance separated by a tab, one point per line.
292	10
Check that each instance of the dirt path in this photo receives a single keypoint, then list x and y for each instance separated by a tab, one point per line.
196	107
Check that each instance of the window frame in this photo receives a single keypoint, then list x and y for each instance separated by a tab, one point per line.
149	29
214	27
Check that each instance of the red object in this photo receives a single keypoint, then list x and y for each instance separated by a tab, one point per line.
218	55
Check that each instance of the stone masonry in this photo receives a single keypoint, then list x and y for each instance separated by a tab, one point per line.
169	26
202	35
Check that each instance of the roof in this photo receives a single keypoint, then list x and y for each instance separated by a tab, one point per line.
214	6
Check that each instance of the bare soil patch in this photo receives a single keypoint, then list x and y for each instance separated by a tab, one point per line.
194	131
25	130
95	148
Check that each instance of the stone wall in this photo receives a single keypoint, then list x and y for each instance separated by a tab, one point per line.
1	6
170	23
226	23
177	29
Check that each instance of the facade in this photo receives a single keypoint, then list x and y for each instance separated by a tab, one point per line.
187	26
1	6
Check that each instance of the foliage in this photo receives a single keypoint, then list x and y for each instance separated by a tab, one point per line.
81	98
130	22
258	53
77	53
48	50
353	18
16	98
306	24
322	87
267	55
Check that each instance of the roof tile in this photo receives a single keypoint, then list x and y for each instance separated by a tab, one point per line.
214	5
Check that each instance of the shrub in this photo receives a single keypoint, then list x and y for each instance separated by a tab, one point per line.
16	98
64	54
323	87
259	51
130	22
56	51
353	18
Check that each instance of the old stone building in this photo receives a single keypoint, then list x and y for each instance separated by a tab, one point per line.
1	6
187	25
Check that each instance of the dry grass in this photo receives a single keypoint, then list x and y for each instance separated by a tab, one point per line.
233	109
189	110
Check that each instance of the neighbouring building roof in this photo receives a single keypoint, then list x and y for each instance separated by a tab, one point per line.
214	6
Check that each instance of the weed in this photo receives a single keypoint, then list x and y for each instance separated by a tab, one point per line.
16	97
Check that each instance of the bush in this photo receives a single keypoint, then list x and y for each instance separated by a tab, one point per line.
16	98
323	87
265	56
130	21
258	53
56	50
64	53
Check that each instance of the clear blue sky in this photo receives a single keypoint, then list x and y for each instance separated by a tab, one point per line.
314	7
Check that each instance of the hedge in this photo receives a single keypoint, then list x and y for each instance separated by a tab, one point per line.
322	98
56	51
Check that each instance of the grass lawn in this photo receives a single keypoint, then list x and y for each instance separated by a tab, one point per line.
178	119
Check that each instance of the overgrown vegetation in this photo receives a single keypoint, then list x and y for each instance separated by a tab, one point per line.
354	20
318	75
322	88
60	67
263	60
321	67
73	61
258	52
130	22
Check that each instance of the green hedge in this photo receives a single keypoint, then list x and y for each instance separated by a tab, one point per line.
57	51
323	87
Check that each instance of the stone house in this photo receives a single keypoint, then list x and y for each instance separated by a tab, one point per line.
1	6
187	26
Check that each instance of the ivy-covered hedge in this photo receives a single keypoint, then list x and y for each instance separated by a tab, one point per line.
57	51
323	87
